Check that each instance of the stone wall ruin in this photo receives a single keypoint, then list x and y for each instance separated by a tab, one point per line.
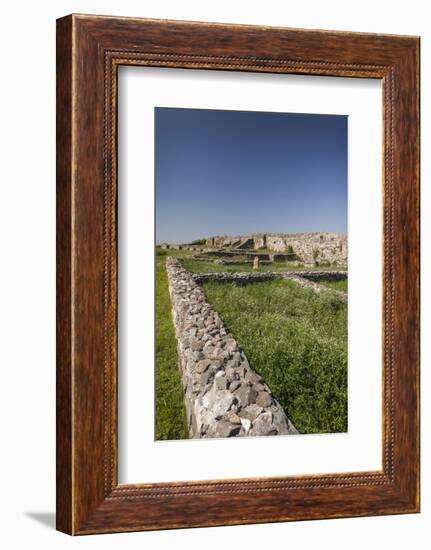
310	248
224	396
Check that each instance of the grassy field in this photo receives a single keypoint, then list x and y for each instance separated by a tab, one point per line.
336	285
171	420
297	340
201	266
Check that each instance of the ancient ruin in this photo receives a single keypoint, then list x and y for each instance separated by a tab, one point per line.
307	248
224	396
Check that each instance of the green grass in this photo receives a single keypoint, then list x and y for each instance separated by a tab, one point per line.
297	340
199	266
335	285
171	422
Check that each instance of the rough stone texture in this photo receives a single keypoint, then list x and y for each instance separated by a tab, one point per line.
309	247
263	425
221	390
259	277
309	283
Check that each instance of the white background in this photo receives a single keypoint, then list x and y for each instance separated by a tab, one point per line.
143	460
27	221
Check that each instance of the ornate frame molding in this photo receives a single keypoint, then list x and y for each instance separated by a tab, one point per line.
90	49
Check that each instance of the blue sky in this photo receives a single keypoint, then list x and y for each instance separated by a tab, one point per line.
239	172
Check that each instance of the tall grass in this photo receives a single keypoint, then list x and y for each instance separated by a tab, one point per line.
297	340
336	285
171	420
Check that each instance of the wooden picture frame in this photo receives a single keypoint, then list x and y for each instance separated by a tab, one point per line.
89	51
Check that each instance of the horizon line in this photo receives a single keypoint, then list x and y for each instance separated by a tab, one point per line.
254	234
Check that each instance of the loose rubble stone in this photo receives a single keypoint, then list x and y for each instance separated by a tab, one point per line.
226	429
205	378
251	412
264	399
199	355
234	385
263	425
230	344
232	417
246	424
282	423
232	374
195	344
219	401
202	365
246	395
221	382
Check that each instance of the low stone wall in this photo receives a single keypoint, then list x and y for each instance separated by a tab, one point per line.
191	247
240	262
240	278
258	277
322	275
307	283
224	397
306	279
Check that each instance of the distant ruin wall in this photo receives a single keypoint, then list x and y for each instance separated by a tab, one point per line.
308	247
224	397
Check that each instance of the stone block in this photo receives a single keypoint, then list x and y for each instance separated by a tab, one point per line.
264	399
263	425
226	429
246	395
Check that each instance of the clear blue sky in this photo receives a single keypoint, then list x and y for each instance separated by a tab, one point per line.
239	172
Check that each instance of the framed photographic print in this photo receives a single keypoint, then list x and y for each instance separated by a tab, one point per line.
237	274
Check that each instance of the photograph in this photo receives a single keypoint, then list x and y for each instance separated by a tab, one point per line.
251	273
214	236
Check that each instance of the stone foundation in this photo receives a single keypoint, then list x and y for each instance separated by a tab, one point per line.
252	277
224	396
